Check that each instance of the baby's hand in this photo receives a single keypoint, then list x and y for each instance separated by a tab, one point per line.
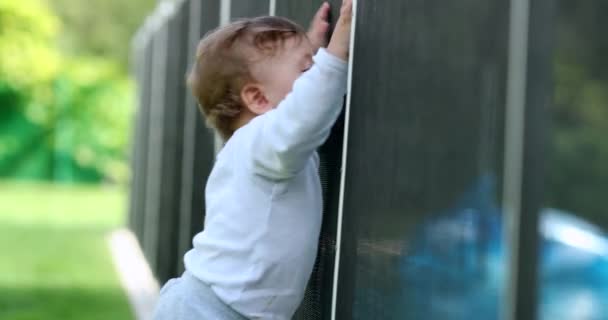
317	33
340	40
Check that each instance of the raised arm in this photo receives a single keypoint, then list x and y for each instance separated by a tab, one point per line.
286	136
289	134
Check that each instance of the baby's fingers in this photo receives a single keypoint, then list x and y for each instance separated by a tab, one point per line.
319	27
346	11
322	14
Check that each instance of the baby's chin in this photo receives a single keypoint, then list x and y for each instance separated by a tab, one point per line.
276	104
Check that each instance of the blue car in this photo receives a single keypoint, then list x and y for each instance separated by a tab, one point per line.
454	267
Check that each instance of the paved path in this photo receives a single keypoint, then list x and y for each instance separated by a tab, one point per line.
135	275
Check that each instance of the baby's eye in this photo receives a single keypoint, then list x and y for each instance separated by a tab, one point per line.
307	68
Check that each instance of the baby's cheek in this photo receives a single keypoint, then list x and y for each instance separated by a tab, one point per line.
286	84
287	87
293	79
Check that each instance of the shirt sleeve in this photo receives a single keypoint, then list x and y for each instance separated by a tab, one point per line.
286	137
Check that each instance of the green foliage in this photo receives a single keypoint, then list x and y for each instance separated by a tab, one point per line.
95	104
28	58
65	115
101	28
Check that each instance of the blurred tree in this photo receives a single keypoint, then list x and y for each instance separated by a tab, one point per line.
29	60
94	105
29	63
63	116
101	28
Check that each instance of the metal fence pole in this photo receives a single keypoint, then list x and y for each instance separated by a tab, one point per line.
199	149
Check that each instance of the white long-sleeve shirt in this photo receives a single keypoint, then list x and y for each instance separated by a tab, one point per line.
264	201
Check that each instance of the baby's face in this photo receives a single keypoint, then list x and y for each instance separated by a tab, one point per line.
277	74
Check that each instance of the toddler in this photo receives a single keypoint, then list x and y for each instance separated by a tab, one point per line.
273	95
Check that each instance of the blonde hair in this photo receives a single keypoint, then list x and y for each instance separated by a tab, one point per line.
222	65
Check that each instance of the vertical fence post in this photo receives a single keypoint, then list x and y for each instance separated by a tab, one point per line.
198	140
142	60
154	139
171	141
529	94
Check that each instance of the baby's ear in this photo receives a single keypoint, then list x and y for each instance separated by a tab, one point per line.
254	99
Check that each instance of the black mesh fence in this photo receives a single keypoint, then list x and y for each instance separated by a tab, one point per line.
422	233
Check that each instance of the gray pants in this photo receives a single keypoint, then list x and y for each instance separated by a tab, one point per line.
187	298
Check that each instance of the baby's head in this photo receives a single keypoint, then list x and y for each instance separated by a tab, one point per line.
246	68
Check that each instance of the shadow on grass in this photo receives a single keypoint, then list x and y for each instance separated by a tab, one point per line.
53	272
63	303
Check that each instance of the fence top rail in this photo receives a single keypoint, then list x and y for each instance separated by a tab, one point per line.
159	16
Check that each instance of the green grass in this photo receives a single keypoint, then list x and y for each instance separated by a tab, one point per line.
54	260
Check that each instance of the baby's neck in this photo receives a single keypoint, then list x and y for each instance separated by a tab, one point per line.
244	118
